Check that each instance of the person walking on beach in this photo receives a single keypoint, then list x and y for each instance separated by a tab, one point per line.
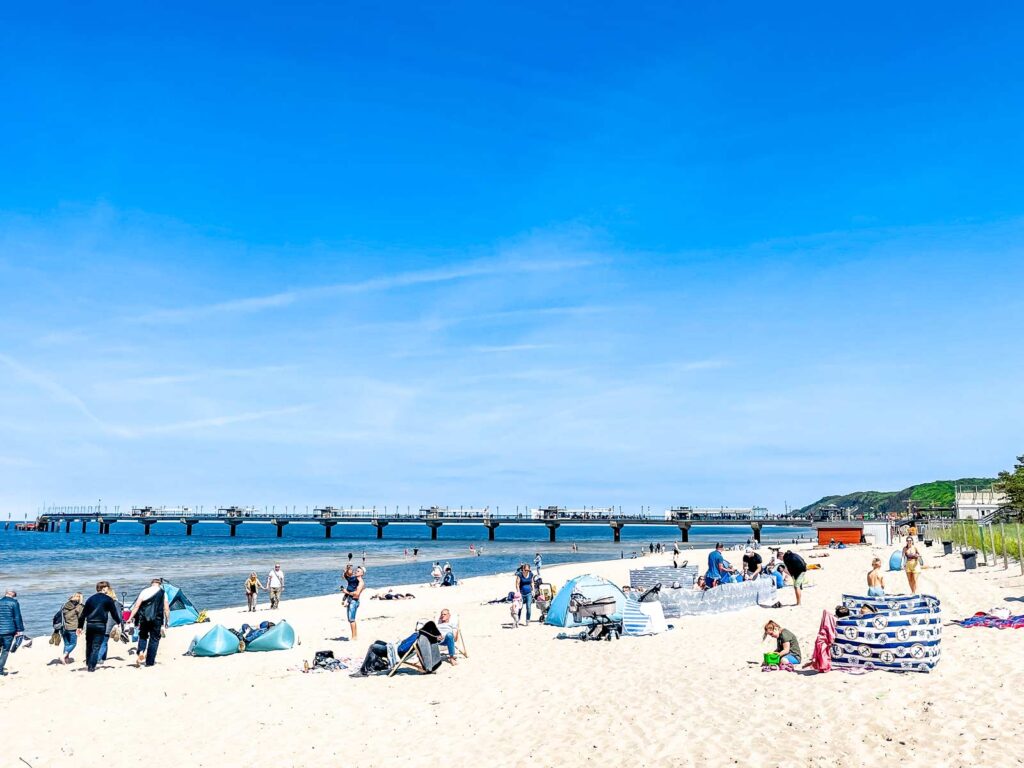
911	563
11	625
275	585
252	589
353	591
876	581
70	614
153	614
97	610
111	622
537	563
524	586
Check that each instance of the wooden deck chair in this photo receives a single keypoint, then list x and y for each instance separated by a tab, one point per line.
424	655
460	637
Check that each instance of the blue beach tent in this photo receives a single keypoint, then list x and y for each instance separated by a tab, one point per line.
182	610
896	561
592	588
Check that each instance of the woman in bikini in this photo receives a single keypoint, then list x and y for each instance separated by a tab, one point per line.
912	563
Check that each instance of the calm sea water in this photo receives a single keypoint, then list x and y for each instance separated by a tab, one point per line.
210	566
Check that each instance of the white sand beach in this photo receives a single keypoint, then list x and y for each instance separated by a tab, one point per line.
690	696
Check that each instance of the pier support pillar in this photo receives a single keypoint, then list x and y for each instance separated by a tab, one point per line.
684	531
146	527
616	530
188	523
552	527
234	526
380	525
83	526
433	530
327	529
491	528
280	524
67	527
756	527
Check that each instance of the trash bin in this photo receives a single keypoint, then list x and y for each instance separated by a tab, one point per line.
970	559
947	547
920	537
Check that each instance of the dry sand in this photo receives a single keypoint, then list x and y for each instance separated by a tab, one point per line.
687	697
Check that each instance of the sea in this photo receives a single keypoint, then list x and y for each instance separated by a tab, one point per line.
210	566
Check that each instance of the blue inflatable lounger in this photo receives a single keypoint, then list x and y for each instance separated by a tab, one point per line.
895	633
280	637
219	641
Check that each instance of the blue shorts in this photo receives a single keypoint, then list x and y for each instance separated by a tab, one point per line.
789	658
353	606
876	592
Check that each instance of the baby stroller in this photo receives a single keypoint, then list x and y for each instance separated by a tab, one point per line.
597	614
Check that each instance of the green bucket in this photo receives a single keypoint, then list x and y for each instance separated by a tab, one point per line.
772	659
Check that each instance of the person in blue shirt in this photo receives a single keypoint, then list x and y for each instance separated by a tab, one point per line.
11	625
719	570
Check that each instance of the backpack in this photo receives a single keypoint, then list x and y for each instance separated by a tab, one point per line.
58	621
153	609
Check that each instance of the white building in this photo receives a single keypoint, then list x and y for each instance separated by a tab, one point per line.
973	502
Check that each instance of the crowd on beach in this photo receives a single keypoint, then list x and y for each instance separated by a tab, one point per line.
102	618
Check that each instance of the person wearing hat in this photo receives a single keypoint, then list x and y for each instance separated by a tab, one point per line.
751	564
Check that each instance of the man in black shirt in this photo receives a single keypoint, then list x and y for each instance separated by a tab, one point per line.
797	570
752	564
94	619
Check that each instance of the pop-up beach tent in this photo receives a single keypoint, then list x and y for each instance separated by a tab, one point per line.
182	610
592	588
218	641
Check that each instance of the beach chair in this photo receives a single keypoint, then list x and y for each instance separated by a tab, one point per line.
423	654
460	637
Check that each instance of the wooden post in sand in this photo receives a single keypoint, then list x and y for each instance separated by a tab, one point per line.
1020	552
1002	536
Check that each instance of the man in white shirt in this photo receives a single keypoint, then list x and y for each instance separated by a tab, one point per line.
275	585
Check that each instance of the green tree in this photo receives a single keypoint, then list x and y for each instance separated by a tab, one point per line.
1012	484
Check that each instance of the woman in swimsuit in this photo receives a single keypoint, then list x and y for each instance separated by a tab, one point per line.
912	560
252	587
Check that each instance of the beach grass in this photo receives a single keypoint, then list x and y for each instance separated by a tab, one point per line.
998	539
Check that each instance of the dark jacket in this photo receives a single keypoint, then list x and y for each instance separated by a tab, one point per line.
97	609
120	616
10	616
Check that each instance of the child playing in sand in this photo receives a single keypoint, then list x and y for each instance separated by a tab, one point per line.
876	581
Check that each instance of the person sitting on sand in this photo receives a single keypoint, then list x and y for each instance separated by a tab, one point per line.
876	581
719	570
786	644
701	584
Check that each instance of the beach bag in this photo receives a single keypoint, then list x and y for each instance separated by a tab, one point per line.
58	621
115	634
152	609
772	659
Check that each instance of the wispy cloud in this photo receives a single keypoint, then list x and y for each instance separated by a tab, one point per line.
503	348
384	283
61	394
214	373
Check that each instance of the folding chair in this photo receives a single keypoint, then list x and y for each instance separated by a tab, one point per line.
424	654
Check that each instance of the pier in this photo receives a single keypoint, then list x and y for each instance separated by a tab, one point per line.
434	518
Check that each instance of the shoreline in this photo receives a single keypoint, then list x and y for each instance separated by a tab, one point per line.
521	691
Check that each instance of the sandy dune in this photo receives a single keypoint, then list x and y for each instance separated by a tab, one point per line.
688	697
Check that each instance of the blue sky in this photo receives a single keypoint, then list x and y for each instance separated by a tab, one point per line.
499	255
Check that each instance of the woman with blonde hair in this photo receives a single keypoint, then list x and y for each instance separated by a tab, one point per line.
786	644
252	588
70	614
876	581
